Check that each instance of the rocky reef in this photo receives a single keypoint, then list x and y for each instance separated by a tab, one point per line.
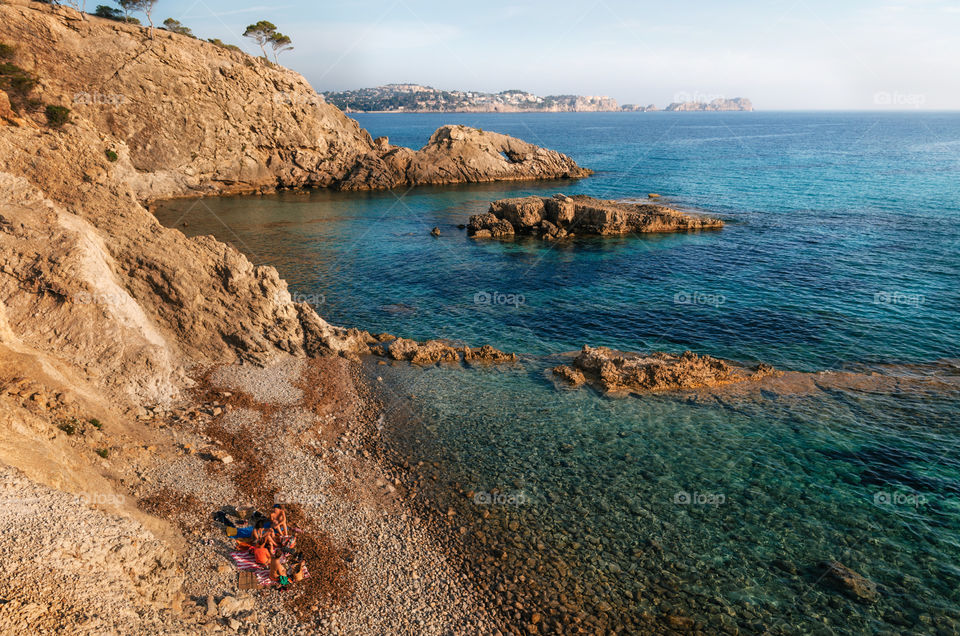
560	216
614	371
438	351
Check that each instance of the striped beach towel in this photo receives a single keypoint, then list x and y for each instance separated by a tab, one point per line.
246	563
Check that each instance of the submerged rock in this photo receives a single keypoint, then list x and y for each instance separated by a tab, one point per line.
842	578
618	371
560	216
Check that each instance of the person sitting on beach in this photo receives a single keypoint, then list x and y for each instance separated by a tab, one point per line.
264	537
278	519
288	543
297	570
277	570
258	533
261	555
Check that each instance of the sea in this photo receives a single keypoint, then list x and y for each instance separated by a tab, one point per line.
839	263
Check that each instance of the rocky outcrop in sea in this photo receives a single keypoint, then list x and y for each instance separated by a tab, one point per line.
613	371
560	216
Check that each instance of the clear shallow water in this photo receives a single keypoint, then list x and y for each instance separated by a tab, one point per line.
841	251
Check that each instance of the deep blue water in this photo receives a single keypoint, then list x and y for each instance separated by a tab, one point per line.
841	251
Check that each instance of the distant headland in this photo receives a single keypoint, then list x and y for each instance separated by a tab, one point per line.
414	98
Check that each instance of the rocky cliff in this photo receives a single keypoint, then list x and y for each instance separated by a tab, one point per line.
91	280
187	117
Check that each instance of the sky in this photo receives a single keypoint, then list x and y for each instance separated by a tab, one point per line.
782	54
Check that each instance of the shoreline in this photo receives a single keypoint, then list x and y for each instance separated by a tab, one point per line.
318	453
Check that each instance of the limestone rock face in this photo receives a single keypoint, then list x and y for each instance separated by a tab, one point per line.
458	154
560	216
622	372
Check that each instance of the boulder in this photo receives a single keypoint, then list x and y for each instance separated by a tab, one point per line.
489	226
845	580
233	605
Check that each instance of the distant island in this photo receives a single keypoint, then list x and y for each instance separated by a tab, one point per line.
414	98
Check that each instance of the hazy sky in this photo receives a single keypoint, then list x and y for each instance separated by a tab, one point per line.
783	54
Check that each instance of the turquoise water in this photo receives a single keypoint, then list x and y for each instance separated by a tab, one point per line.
841	251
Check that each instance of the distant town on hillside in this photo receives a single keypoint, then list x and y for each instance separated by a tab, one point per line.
414	98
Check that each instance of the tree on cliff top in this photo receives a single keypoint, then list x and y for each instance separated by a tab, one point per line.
146	6
177	27
261	33
103	11
280	43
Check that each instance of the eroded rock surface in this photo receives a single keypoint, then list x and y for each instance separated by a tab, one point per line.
439	351
615	371
560	216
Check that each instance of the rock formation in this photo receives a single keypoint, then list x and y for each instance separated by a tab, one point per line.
615	371
439	351
560	216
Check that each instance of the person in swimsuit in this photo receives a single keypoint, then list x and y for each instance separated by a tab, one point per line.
277	570
278	519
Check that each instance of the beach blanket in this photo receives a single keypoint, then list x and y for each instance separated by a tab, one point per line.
246	563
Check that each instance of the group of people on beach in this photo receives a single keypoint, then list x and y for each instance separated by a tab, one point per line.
271	539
